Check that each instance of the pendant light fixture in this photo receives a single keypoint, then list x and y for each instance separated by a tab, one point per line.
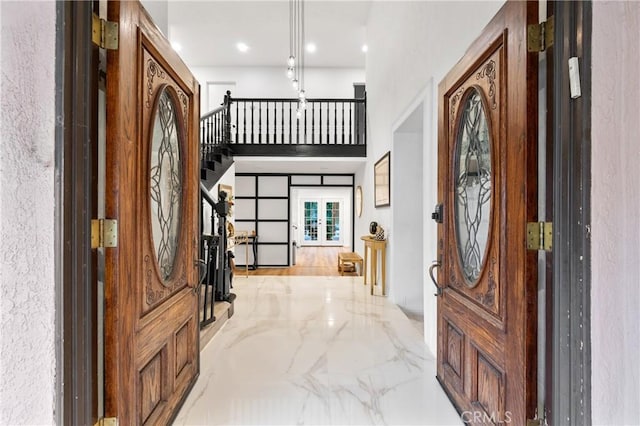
295	62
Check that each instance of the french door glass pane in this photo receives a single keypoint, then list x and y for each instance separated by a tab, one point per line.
332	221
311	221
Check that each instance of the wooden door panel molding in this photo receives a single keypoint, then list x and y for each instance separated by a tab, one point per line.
156	77
488	389
485	69
453	355
158	70
184	357
487	311
153	384
170	322
485	335
151	316
485	77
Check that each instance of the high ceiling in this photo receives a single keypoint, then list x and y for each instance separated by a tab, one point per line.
208	32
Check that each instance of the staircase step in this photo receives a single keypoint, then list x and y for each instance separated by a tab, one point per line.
211	165
222	311
215	164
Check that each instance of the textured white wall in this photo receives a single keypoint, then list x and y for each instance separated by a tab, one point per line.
272	82
27	84
615	201
410	43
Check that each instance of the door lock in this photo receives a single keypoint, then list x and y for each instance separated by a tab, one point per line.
437	213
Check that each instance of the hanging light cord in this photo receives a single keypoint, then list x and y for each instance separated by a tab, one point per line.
296	60
291	28
302	46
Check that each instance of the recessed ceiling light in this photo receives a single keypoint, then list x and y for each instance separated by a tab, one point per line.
311	47
176	46
242	47
365	48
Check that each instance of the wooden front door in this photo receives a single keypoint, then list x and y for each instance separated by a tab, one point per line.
487	146
152	151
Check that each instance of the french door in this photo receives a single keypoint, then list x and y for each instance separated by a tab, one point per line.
487	279
151	321
322	222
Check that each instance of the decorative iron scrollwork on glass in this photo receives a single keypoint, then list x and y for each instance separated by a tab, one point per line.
166	182
473	182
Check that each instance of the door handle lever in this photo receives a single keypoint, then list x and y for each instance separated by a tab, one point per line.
202	272
434	265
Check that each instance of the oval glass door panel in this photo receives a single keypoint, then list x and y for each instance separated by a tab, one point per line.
166	183
472	182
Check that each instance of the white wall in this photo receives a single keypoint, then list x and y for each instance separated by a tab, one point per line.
159	12
410	43
272	82
615	218
27	290
405	245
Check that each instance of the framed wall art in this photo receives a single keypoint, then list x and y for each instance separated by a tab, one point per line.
382	181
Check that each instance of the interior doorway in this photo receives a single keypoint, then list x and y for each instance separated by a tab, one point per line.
321	216
406	245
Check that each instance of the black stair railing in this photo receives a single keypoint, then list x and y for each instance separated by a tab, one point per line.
215	128
276	121
209	245
217	274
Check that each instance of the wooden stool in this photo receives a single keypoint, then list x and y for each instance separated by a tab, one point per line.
347	261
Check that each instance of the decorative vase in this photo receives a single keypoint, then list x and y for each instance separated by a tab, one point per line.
373	226
379	235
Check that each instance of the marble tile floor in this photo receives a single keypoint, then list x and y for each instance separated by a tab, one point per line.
316	351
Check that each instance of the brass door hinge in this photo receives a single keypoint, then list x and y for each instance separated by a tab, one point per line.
540	236
107	421
104	33
540	36
104	233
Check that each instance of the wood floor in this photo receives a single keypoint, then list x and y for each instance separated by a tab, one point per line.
310	261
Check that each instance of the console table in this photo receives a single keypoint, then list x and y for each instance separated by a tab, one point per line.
247	240
375	247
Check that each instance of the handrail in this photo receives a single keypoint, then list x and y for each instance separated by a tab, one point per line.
296	100
212	112
205	194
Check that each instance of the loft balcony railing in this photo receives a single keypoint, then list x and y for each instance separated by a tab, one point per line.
271	126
